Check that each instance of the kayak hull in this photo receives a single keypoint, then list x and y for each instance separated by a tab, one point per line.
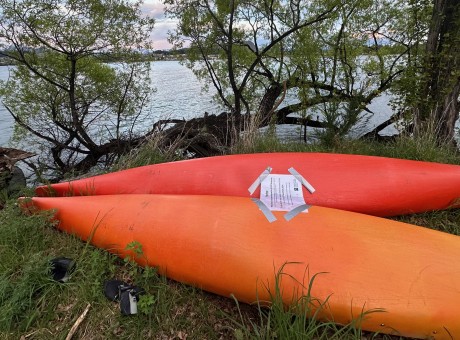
407	276
371	185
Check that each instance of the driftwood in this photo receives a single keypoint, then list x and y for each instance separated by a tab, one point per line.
210	135
9	157
374	134
77	323
204	136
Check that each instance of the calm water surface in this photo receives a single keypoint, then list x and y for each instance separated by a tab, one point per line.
179	95
6	121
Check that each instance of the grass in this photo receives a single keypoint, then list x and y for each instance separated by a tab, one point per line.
423	148
33	306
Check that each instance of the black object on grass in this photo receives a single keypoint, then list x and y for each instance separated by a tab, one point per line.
62	268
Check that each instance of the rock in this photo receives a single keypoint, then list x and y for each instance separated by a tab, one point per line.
17	181
11	182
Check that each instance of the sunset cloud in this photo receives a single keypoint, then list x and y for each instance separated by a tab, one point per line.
159	35
154	9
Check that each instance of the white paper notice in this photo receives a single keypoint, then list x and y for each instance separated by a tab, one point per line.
281	192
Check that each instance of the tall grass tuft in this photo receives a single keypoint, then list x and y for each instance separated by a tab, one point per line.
298	320
23	267
421	147
149	153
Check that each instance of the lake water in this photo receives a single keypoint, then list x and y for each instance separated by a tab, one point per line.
6	121
179	95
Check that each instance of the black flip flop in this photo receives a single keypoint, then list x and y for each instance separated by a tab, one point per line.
128	301
62	268
126	294
112	290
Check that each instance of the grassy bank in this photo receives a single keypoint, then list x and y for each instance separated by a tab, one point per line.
33	306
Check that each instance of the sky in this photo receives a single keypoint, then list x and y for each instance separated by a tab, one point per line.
159	35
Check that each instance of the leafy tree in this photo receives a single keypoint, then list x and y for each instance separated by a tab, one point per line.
64	99
428	92
336	56
438	107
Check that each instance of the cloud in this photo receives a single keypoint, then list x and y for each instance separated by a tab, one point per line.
159	35
154	9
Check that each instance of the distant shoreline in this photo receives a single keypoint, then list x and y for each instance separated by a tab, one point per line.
155	55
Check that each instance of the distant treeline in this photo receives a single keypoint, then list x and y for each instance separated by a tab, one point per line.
172	54
143	55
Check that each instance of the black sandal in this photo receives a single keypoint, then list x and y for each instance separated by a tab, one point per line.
126	294
62	268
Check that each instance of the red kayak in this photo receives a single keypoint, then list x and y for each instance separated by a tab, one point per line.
372	185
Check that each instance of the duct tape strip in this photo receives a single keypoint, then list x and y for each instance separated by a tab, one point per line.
294	212
268	214
302	180
259	180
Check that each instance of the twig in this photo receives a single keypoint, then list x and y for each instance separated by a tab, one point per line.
78	322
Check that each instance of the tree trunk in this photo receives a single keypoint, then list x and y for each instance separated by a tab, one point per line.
268	103
438	107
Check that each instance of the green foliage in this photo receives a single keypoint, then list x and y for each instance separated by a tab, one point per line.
77	27
149	153
23	269
421	147
413	23
65	99
233	34
336	56
145	304
427	93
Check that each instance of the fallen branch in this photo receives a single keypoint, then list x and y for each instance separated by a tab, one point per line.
78	322
374	134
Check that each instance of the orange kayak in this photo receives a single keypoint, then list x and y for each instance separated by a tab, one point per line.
408	275
372	185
